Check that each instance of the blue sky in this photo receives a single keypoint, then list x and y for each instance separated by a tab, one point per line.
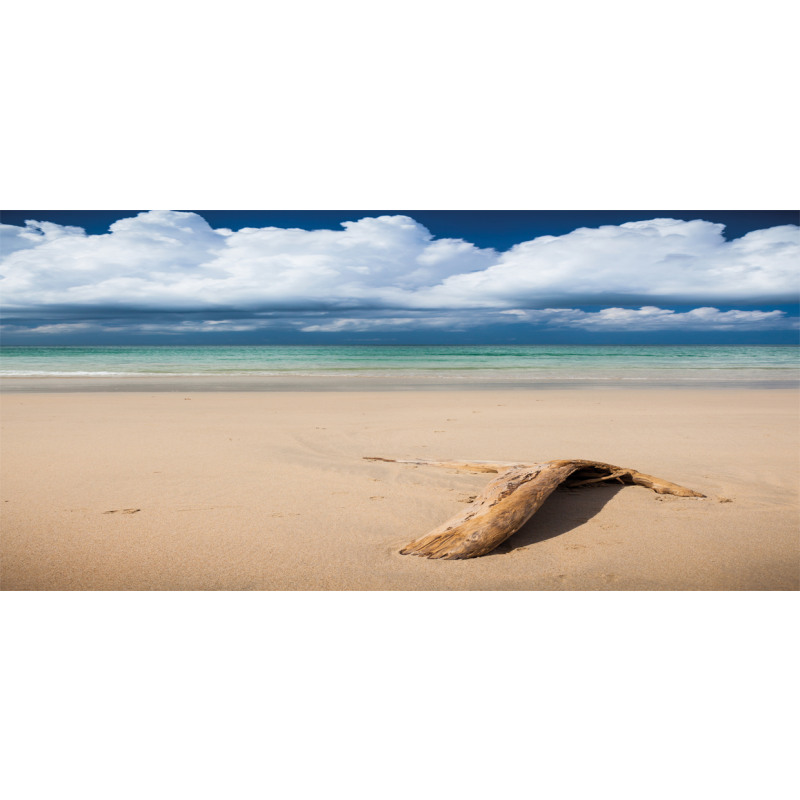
389	276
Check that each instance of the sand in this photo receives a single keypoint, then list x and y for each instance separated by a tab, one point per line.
165	490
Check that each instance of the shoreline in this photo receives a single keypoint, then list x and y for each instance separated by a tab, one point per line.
338	383
269	490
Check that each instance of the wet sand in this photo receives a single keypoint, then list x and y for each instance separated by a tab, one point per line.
269	490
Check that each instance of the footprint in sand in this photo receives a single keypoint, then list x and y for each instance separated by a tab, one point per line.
122	511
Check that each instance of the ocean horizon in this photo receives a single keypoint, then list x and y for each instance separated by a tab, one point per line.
448	364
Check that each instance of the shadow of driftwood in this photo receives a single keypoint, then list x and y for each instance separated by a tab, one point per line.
564	510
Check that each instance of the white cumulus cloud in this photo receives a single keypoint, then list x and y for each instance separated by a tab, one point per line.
394	268
659	258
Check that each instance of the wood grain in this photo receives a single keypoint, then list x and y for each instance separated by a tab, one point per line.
512	498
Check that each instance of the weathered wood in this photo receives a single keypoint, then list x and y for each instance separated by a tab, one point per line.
512	498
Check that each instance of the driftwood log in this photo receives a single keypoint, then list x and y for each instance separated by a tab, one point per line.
512	498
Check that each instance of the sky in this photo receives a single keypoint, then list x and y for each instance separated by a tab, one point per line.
239	277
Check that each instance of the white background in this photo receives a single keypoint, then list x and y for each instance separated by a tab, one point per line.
428	105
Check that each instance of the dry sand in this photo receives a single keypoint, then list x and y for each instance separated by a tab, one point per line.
260	490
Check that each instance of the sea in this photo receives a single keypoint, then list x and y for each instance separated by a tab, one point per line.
417	365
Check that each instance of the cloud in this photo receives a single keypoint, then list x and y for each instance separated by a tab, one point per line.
652	318
389	272
174	260
647	318
656	259
15	237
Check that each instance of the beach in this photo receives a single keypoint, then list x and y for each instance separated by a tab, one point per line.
189	487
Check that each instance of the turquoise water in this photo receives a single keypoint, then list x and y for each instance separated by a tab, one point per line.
449	364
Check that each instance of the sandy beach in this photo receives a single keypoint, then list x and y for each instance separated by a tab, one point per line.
165	490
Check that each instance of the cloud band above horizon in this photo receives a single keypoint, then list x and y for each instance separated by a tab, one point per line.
169	271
